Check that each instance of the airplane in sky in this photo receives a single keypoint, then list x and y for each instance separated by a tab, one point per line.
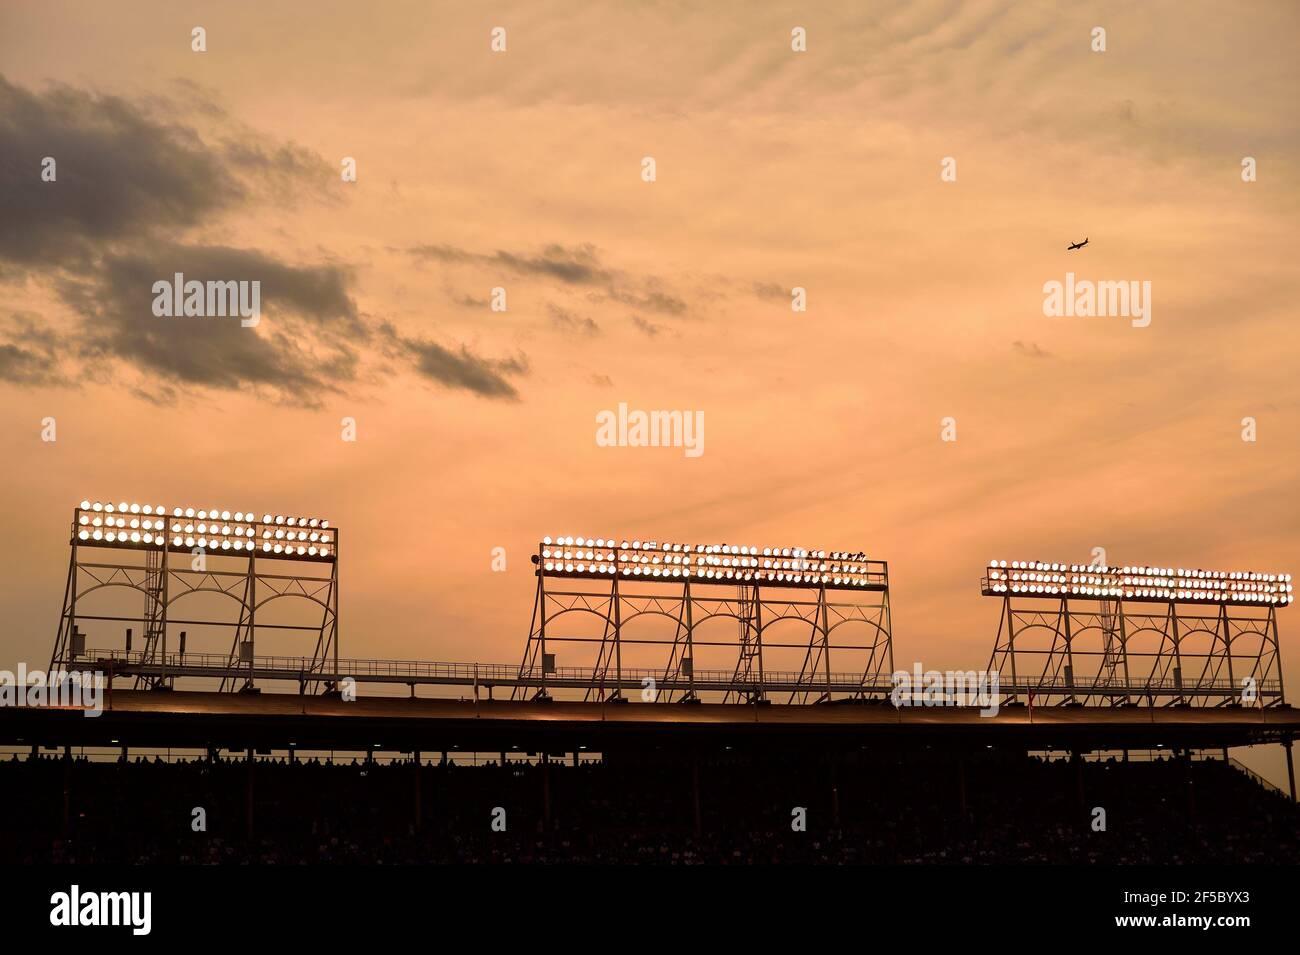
1077	245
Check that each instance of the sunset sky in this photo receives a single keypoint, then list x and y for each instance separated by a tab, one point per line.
774	169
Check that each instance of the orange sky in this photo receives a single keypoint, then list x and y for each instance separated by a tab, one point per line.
775	169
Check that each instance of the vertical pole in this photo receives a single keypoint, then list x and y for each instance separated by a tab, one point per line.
1178	657
72	584
546	792
252	612
758	639
1227	645
67	790
690	639
248	801
541	624
1011	641
889	621
334	596
1277	655
1290	767
618	639
162	610
418	802
826	640
1069	646
1123	645
1077	757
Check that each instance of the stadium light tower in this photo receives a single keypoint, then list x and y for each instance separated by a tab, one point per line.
169	556
1119	635
689	585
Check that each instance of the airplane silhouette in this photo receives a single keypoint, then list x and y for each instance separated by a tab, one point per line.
1077	245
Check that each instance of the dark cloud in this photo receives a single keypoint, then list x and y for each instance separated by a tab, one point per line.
304	346
653	299
601	381
770	290
132	180
579	265
459	368
29	353
576	266
119	174
469	301
570	322
649	328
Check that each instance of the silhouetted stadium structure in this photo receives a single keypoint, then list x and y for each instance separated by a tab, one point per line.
694	742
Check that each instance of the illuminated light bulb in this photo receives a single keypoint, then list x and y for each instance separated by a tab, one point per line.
98	535
84	535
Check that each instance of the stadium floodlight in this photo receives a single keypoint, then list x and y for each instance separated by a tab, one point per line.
148	527
601	558
1032	578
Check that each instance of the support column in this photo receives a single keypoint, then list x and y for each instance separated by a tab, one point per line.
248	802
67	790
1290	768
418	801
546	793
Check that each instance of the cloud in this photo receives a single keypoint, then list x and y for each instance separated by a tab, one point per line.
770	290
29	353
576	266
567	321
305	346
1030	349
649	328
459	368
568	266
119	174
132	181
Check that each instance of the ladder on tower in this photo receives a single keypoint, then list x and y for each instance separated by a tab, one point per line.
155	617
744	682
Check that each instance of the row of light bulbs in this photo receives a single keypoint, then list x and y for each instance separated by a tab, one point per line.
734	549
1144	593
1119	582
203	529
709	573
1142	571
149	538
1273	583
699	561
202	514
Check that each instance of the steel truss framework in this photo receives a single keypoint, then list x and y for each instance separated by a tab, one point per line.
163	577
686	604
1113	652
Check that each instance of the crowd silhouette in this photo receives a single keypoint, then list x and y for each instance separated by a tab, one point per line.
733	809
